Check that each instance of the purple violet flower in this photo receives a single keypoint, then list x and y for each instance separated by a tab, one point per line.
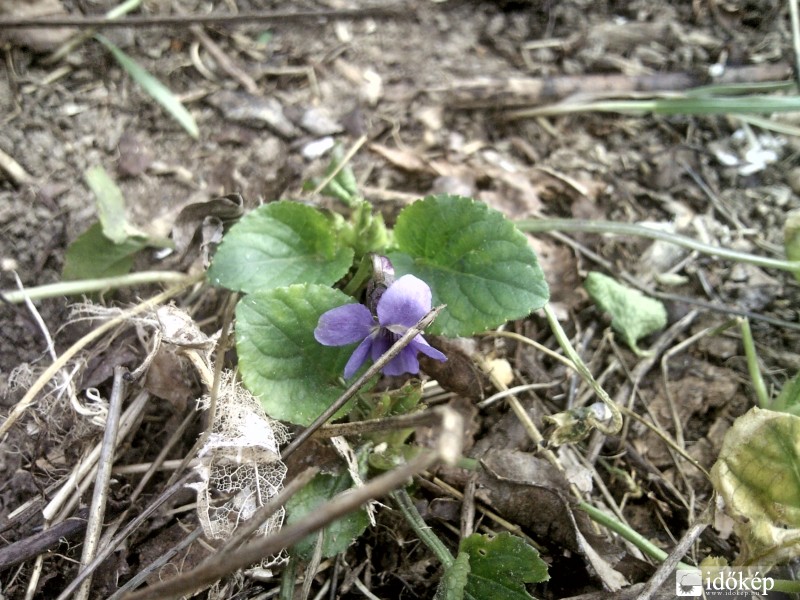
399	308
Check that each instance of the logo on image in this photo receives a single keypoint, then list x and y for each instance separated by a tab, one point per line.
688	583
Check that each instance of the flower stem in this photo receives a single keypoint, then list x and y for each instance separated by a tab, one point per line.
752	364
583	371
406	506
634	537
87	286
579	225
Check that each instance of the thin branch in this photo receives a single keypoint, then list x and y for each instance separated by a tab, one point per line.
307	17
492	92
664	570
612	227
98	507
143	573
129	528
88	286
448	450
30	547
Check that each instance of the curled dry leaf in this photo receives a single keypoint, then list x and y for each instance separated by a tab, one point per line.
529	491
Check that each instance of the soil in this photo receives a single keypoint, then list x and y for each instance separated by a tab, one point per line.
399	78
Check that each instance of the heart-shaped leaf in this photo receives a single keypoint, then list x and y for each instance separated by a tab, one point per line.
338	535
499	567
758	475
92	255
633	315
473	258
279	244
295	377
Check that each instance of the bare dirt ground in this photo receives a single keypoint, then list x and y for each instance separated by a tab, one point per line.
393	78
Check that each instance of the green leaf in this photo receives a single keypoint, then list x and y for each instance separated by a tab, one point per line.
157	90
92	255
338	535
758	476
279	244
110	204
633	315
789	398
294	375
344	185
365	232
475	261
454	580
500	566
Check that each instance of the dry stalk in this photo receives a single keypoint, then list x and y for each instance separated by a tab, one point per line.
665	568
88	464
62	360
447	450
98	507
129	528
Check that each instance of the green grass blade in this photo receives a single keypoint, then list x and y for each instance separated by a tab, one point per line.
157	90
737	89
671	106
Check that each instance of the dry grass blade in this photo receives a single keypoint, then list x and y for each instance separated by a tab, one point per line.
98	507
448	449
57	365
123	535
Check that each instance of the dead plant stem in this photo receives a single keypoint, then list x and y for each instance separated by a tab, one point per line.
143	573
795	20
669	563
307	17
612	227
129	528
57	365
448	450
97	510
88	463
89	286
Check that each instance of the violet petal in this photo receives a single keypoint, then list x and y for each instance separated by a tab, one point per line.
358	357
382	342
344	325
405	362
405	302
419	343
